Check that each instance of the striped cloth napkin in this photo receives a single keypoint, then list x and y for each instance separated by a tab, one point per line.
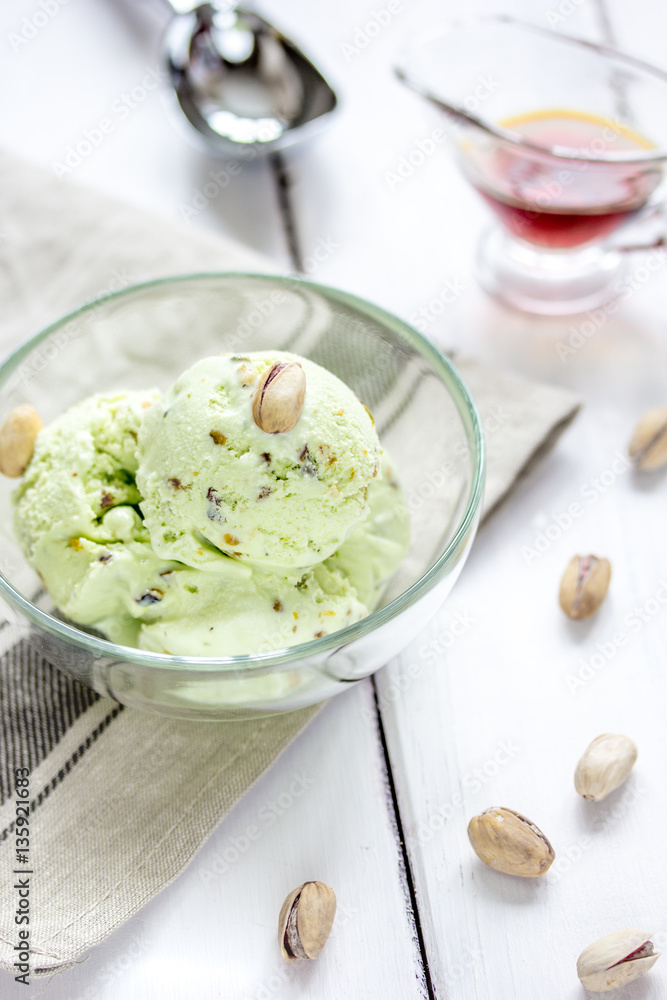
106	835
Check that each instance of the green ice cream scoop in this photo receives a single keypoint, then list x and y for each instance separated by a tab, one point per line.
76	516
213	480
79	507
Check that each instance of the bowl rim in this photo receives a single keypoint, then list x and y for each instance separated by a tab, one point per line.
286	656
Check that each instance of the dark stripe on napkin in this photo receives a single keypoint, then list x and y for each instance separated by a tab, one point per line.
38	704
68	765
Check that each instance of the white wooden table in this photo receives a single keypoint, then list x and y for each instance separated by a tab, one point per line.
482	708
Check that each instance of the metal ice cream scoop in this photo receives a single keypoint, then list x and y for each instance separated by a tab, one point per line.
240	82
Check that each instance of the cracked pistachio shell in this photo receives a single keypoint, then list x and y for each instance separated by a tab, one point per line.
279	397
584	586
648	445
17	440
510	843
616	960
604	766
305	920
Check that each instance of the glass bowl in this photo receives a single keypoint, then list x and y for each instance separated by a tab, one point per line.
146	336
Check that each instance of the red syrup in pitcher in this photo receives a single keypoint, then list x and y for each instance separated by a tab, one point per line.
559	203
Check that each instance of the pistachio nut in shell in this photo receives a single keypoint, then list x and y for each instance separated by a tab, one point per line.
17	440
648	445
604	765
616	960
584	586
279	397
305	920
510	843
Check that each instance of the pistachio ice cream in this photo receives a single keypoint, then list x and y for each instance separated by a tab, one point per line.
214	481
184	523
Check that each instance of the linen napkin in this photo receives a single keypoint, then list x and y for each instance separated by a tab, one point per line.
61	244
